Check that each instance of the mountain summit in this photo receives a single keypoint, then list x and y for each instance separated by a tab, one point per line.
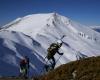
32	24
32	35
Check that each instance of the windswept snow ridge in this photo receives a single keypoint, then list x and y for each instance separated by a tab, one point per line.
31	35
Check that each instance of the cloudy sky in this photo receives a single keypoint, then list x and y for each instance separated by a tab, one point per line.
83	11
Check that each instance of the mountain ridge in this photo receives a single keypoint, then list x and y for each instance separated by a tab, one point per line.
84	69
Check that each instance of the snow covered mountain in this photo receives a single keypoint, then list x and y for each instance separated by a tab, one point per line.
31	35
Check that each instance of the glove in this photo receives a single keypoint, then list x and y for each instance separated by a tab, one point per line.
61	53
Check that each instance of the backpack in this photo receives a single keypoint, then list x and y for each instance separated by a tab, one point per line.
52	50
23	63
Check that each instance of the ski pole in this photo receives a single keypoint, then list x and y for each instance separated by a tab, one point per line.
58	59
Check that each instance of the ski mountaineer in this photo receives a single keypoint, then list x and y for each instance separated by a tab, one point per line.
24	67
52	50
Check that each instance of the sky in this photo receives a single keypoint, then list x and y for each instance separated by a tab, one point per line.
86	12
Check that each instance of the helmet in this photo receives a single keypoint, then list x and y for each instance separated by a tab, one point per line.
59	42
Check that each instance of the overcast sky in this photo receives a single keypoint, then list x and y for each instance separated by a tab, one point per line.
86	12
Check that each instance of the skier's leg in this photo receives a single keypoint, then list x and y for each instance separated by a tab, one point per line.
26	73
46	66
53	64
20	72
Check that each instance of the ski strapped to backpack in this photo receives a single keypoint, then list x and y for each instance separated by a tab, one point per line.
62	37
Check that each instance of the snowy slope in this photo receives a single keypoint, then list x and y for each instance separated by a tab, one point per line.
31	35
13	47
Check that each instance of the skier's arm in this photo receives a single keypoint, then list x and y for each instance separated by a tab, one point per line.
59	53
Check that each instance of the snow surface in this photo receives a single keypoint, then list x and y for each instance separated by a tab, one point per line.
31	35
